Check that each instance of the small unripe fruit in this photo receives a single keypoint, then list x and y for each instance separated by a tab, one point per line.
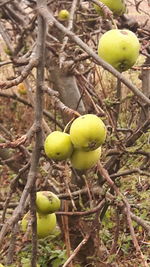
118	7
58	146
120	48
45	224
87	132
63	14
82	160
22	90
47	202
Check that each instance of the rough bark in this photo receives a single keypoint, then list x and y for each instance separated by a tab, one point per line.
145	112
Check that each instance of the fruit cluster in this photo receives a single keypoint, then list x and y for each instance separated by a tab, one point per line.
82	145
47	203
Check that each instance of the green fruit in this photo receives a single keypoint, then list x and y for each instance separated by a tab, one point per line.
1	265
87	132
82	160
47	202
63	14
120	48
58	146
45	224
118	7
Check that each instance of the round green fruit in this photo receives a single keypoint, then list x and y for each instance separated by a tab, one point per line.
63	14
82	160
47	202
45	224
118	7
120	48
58	146
87	132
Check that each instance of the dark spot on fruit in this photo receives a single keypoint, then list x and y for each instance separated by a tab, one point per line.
124	48
58	153
50	198
124	32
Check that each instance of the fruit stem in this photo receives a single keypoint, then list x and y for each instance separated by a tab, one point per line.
68	125
114	23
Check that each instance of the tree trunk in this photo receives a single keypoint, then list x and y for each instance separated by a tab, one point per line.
65	83
145	112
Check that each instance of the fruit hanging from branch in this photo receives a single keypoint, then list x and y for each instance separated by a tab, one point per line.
58	146
120	48
87	132
82	160
118	7
45	223
47	202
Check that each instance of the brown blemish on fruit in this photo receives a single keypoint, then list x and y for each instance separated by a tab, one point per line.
124	32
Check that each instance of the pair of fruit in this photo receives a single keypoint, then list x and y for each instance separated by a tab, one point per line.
118	8
82	145
47	203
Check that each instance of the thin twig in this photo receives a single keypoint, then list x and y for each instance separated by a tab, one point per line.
70	25
25	72
52	21
13	185
83	213
27	103
127	210
82	243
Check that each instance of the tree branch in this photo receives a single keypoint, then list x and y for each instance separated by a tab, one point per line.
52	21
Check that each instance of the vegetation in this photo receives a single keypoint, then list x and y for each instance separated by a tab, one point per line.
51	78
